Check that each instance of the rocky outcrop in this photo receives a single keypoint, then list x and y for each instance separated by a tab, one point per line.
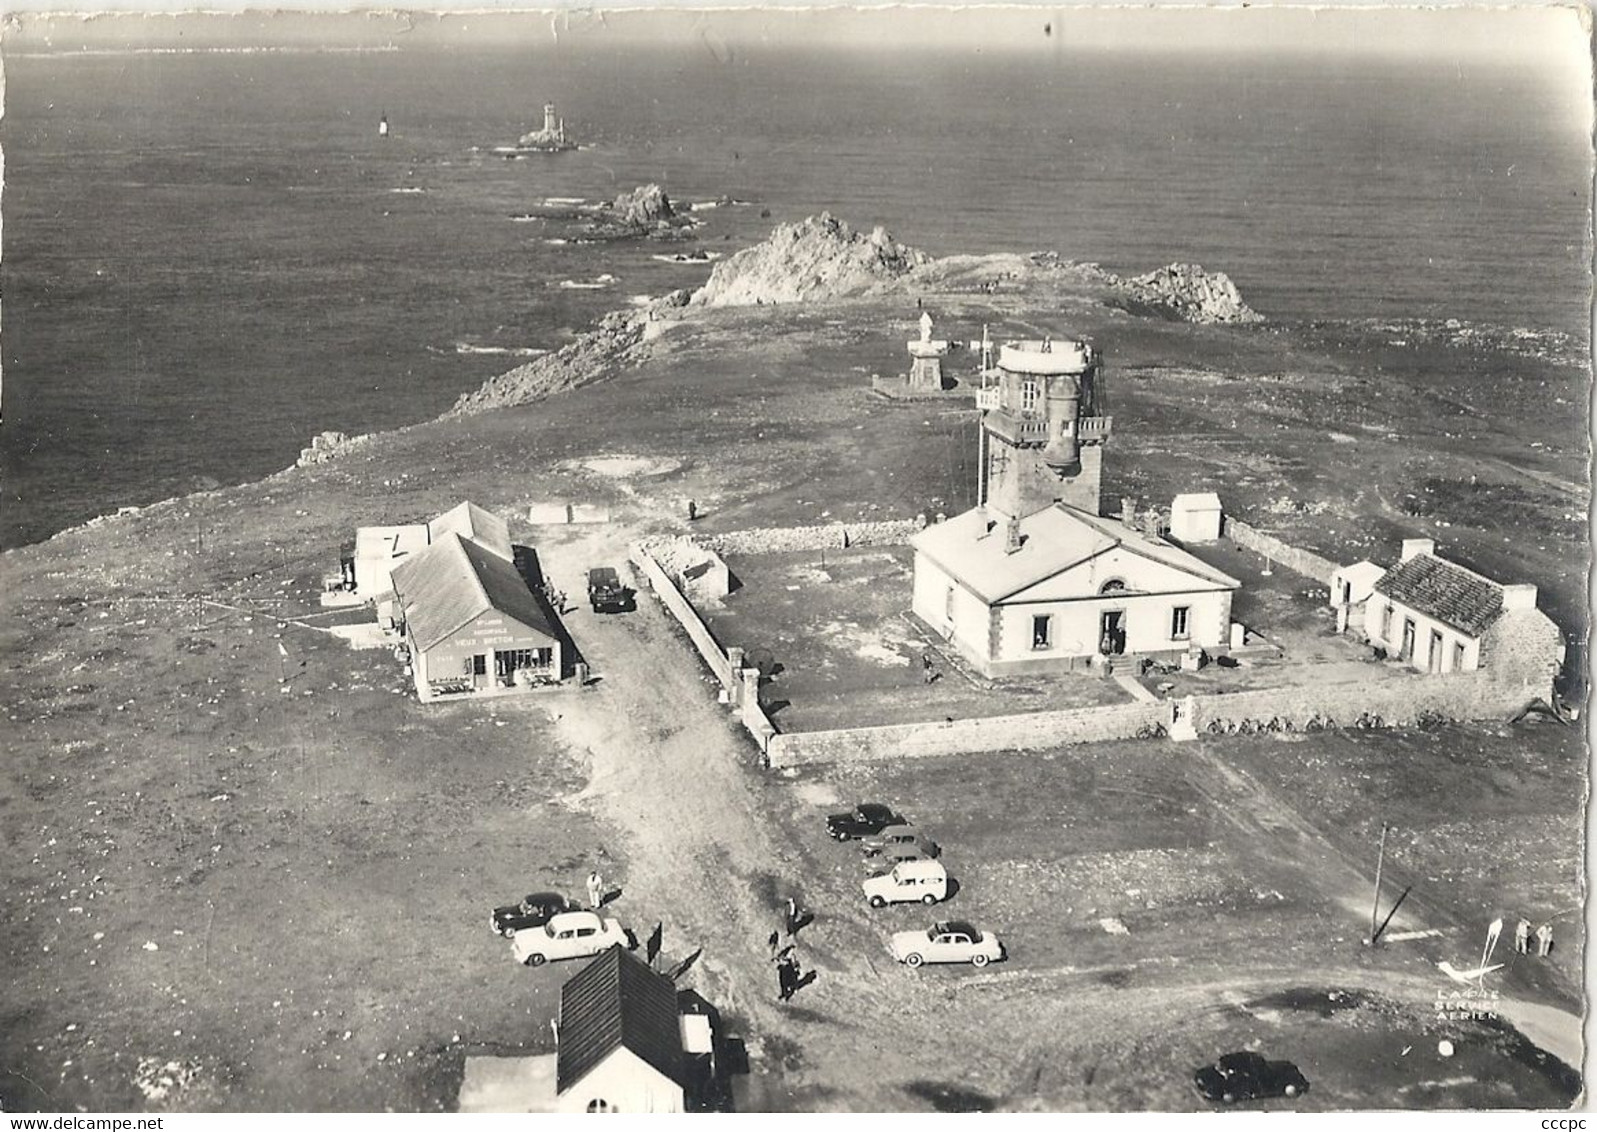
328	446
819	258
644	207
644	211
593	356
1191	294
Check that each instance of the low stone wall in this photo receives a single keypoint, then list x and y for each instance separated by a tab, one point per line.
741	685
1304	562
560	514
686	616
830	536
1028	732
1388	699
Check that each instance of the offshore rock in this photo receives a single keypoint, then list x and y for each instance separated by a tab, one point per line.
1191	294
644	207
818	258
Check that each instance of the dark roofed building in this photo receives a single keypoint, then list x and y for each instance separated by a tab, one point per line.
1436	616
471	623
1446	592
620	1039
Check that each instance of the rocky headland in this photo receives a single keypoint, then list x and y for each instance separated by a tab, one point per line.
818	258
1189	293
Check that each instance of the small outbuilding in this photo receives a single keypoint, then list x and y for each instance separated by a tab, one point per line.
1436	616
1351	588
620	1040
368	566
471	623
1195	517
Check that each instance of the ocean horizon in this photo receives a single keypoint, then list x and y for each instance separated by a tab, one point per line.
212	256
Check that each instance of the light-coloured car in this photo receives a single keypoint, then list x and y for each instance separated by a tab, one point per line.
570	935
925	881
956	941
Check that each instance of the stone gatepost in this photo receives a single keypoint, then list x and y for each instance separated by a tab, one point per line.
751	689
1183	725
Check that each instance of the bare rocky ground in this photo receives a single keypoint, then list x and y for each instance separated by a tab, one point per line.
330	859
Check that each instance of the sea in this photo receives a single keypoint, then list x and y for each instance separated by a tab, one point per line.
210	257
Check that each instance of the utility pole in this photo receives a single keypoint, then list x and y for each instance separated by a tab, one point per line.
1375	908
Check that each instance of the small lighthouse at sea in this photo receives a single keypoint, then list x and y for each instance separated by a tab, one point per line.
382	125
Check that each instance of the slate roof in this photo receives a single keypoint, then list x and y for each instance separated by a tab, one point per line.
453	581
475	524
617	1002
1449	593
1052	541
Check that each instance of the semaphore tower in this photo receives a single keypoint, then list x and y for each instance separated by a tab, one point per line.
1043	427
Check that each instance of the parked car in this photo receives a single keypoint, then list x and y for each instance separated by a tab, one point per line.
570	935
533	912
606	594
1246	1076
865	820
926	881
900	837
956	941
880	864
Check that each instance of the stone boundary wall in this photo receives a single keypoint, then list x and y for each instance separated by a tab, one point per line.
1027	732
1304	562
829	536
562	514
1395	701
1388	700
686	616
741	685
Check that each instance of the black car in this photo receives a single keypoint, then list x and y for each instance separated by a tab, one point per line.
533	912
865	820
1248	1076
606	594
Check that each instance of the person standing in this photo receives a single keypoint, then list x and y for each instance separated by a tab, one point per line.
786	976
928	673
774	942
791	922
1522	937
595	889
1544	940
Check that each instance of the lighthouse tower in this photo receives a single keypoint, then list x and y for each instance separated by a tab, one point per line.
1043	428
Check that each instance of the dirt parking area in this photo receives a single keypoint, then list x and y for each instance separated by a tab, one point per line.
832	630
1148	930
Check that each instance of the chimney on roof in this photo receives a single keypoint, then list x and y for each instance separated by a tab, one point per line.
1128	510
1012	539
1413	547
1522	596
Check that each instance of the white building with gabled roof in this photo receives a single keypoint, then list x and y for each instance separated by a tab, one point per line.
1050	590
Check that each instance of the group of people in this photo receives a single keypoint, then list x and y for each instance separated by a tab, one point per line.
555	598
1544	939
789	973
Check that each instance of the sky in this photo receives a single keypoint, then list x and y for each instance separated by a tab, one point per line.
1542	35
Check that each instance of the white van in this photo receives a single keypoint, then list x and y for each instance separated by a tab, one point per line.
926	881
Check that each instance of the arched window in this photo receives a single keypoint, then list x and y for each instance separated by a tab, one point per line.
597	1105
1113	586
